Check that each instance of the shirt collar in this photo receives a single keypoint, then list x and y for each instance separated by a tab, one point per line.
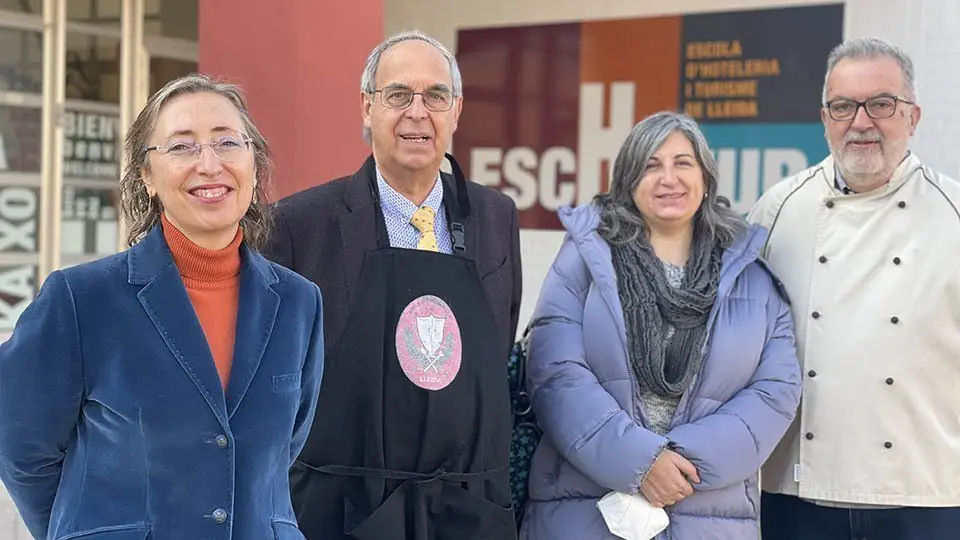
839	183
396	205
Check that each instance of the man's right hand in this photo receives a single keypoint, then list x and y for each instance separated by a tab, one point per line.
666	483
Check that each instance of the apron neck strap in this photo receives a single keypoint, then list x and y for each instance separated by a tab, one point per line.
458	210
463	199
456	203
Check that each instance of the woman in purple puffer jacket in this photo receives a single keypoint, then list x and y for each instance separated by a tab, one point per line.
662	358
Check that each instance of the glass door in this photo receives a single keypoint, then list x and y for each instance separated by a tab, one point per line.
22	79
73	75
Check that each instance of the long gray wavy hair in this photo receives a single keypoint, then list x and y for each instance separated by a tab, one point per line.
141	211
621	221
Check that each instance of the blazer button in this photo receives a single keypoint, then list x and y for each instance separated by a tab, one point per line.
221	441
888	445
889	381
822	259
829	204
812	373
220	515
815	314
896	260
894	320
902	204
809	436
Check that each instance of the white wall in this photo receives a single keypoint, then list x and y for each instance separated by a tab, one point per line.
926	29
11	527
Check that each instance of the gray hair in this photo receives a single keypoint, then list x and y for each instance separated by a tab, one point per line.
141	211
620	219
871	48
368	81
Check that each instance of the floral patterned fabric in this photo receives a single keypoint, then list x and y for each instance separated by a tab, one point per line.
526	433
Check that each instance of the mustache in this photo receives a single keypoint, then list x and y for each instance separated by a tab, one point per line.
863	136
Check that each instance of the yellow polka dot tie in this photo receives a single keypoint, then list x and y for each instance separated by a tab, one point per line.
423	220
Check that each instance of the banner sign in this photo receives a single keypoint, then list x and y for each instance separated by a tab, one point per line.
547	107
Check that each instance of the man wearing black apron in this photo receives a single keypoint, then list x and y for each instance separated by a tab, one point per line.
412	431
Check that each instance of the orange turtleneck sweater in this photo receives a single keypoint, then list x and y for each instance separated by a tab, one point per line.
212	279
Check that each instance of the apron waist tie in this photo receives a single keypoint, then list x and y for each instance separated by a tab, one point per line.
383	474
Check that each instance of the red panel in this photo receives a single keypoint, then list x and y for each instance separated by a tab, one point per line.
300	63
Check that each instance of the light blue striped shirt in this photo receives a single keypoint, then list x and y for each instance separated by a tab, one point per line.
398	211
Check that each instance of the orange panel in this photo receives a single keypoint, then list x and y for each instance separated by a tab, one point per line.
646	51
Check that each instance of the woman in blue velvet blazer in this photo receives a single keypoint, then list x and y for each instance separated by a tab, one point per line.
128	410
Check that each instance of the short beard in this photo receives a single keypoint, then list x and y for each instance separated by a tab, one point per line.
866	172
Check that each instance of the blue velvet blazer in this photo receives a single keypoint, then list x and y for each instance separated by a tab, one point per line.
113	421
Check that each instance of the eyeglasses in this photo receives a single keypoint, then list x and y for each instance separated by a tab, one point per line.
436	100
878	108
227	148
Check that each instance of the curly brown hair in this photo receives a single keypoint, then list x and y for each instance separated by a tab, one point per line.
141	211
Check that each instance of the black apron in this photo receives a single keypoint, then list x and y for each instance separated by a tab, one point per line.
412	432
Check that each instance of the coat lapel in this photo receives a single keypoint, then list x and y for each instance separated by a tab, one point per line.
256	315
358	230
165	300
472	230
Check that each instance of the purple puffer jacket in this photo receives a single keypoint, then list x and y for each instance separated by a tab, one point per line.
585	396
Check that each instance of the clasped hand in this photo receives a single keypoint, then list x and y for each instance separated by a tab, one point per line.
669	480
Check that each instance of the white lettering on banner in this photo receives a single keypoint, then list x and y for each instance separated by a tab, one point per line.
517	165
18	208
779	163
3	155
749	171
745	188
596	143
532	180
16	293
557	160
481	162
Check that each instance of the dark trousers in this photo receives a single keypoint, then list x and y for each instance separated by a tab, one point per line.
789	518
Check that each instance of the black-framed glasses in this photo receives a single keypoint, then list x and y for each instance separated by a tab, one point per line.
878	108
185	149
435	99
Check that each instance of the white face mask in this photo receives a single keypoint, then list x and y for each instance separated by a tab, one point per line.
631	517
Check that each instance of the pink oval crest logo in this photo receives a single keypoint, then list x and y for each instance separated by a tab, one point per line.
428	343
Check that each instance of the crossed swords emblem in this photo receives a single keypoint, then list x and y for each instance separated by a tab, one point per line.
430	331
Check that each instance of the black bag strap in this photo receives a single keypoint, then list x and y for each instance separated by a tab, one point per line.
520	388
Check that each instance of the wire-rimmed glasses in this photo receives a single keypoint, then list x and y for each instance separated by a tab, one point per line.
185	149
437	99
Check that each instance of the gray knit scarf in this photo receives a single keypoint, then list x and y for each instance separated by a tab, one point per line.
651	306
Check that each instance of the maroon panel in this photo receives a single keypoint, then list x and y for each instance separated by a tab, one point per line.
521	99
